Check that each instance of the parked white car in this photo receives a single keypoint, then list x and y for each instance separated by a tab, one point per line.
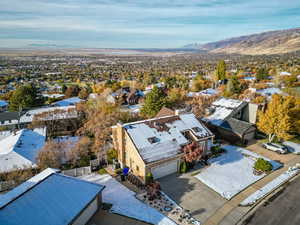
275	147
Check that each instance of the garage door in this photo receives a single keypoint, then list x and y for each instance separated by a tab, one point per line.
164	169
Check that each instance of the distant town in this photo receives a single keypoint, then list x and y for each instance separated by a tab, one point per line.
158	137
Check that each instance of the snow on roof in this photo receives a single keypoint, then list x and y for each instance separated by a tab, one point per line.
58	198
17	191
269	91
227	103
163	137
206	92
65	112
284	73
223	108
3	103
53	95
20	150
219	115
68	101
126	203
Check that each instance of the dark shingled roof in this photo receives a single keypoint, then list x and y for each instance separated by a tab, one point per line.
5	116
237	126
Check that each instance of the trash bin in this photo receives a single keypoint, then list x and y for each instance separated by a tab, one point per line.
122	177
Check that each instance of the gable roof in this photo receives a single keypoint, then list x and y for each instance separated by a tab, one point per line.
20	150
9	116
68	101
223	108
165	112
238	127
163	137
54	199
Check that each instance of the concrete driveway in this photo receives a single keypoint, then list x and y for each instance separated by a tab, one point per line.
193	195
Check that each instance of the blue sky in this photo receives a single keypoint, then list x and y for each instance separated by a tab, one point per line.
139	23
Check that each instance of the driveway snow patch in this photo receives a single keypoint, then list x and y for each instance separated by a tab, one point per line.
231	172
124	201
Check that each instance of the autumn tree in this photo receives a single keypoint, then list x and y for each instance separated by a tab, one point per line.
199	83
72	91
51	155
176	96
192	152
80	154
99	116
279	118
200	103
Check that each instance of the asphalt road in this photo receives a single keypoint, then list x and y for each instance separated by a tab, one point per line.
282	209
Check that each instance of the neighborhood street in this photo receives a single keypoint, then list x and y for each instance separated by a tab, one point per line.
281	209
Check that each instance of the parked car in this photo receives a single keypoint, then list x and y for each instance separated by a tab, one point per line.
275	147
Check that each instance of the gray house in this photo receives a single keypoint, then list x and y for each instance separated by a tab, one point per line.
51	198
232	119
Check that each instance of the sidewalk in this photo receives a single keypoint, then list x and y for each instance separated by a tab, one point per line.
230	213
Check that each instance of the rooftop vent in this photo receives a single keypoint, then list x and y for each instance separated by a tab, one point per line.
153	140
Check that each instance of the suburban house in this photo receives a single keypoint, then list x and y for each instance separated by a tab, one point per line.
68	102
51	198
155	145
3	106
20	149
125	96
63	114
232	119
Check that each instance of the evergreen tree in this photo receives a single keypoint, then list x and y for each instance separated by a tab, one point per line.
23	97
154	101
233	86
261	74
221	70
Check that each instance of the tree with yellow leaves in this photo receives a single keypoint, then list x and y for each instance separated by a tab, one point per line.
279	118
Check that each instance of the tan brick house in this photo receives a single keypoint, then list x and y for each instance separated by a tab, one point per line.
154	145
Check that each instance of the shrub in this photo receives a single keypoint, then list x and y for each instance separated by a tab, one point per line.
102	171
119	171
183	167
111	155
215	150
149	178
263	165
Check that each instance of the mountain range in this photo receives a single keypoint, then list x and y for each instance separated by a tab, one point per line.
272	42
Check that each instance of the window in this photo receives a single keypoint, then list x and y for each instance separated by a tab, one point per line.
153	140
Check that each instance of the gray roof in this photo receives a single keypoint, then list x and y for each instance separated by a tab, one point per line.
5	116
236	126
56	200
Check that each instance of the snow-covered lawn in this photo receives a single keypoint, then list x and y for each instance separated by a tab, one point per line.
125	203
232	171
293	147
270	186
